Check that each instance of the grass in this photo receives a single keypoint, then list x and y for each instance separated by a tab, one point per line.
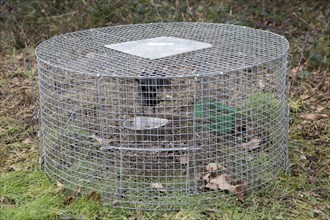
19	190
30	195
264	107
25	191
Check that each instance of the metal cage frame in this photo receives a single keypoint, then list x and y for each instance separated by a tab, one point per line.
169	133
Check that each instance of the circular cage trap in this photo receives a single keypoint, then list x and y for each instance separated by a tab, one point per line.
168	115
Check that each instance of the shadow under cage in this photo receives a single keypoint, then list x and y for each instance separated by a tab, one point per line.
168	115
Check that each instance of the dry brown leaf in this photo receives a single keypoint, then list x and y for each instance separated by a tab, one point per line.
212	186
78	190
184	159
319	108
198	176
214	166
96	138
99	140
207	184
115	202
241	189
207	177
304	96
312	116
69	199
294	70
223	183
94	196
59	187
262	83
138	215
158	186
253	144
317	211
27	141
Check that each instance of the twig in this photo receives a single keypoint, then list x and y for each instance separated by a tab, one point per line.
321	82
62	15
293	81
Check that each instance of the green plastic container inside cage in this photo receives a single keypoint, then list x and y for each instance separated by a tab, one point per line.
221	118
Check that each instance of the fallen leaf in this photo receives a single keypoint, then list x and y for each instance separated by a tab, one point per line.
304	96
59	187
7	201
69	199
27	141
223	183
99	140
319	212
41	160
115	202
139	214
96	138
240	189
158	186
252	144
207	177
294	71
262	83
184	159
198	176
303	157
212	186
312	116
207	184
211	167
319	108
312	179
78	190
94	196
10	168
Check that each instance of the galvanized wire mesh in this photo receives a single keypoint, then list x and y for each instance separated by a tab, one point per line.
168	133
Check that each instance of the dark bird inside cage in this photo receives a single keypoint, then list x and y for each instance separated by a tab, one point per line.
149	86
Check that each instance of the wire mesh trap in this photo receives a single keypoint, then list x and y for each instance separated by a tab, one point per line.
168	115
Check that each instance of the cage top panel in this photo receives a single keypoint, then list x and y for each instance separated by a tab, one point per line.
226	48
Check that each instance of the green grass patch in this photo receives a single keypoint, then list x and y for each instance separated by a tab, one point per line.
8	128
30	195
262	106
2	83
27	196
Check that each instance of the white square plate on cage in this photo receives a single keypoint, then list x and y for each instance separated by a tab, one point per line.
159	47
